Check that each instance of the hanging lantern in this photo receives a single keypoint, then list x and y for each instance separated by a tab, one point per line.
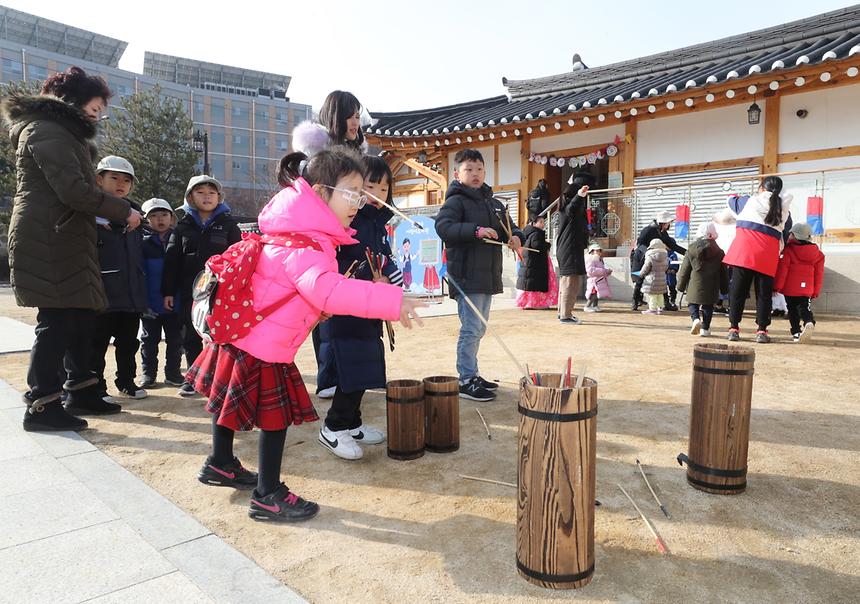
753	114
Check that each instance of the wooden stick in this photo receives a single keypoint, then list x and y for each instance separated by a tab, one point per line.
351	268
417	225
486	427
494	242
376	271
657	499
481	318
581	377
660	545
569	360
504	484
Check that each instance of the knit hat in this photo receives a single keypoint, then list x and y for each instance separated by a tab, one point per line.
656	244
801	231
155	203
594	247
203	179
664	216
707	230
581	178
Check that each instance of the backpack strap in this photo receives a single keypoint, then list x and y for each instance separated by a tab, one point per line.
293	240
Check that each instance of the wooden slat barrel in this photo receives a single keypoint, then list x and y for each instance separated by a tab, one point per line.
556	481
442	412
405	411
720	418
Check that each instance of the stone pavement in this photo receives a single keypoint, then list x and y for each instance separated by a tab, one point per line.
75	526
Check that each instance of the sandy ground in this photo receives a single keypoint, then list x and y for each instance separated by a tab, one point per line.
391	531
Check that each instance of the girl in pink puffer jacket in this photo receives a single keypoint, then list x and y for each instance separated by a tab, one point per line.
253	381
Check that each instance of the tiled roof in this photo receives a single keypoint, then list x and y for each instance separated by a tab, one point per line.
829	36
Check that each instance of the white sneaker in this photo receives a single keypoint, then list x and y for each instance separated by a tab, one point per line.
806	334
367	435
341	443
327	392
590	309
696	327
705	333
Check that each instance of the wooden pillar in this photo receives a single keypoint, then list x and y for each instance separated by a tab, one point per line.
628	170
770	161
496	181
525	181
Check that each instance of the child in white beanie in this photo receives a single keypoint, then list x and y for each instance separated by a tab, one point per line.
703	277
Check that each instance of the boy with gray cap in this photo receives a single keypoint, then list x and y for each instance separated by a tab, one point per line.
206	229
160	217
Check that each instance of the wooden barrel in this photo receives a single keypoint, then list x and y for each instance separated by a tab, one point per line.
405	411
720	418
442	413
555	479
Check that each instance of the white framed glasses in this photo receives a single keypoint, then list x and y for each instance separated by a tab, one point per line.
354	199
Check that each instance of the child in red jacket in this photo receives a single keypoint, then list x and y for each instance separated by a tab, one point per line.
799	277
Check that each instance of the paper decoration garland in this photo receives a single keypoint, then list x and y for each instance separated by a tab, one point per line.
610	150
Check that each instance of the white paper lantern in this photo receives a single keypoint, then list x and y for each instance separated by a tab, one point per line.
561	161
543	160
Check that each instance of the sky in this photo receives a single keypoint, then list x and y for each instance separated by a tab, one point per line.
405	55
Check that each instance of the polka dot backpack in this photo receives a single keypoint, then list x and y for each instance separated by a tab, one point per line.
223	307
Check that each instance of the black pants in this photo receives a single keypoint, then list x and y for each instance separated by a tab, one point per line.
191	341
151	337
705	312
739	289
637	289
60	332
122	327
799	307
345	410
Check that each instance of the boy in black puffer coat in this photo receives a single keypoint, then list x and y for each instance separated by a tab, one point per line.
470	215
206	229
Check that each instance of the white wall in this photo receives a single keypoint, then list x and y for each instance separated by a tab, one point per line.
698	137
840	190
509	164
833	119
574	140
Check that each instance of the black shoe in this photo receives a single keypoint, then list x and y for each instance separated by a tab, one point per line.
172	379
486	384
670	308
90	401
281	506
187	390
131	390
473	391
148	381
230	474
634	305
51	417
721	310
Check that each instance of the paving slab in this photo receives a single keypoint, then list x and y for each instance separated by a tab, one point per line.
35	473
79	565
228	576
159	521
174	587
10	398
17	336
28	516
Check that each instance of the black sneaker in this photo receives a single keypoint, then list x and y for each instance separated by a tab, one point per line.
131	390
187	390
89	401
51	417
230	474
473	391
281	506
148	381
721	310
486	384
174	379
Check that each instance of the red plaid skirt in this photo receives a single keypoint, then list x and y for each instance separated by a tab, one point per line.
245	392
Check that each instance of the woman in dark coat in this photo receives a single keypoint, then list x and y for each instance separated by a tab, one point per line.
571	243
536	281
52	240
657	229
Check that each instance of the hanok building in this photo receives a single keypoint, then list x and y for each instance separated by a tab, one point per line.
247	115
683	127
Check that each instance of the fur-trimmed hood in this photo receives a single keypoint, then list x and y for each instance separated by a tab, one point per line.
311	137
19	110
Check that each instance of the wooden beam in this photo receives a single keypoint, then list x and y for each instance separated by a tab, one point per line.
771	135
513	187
426	172
628	170
525	183
495	165
710	165
846	151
